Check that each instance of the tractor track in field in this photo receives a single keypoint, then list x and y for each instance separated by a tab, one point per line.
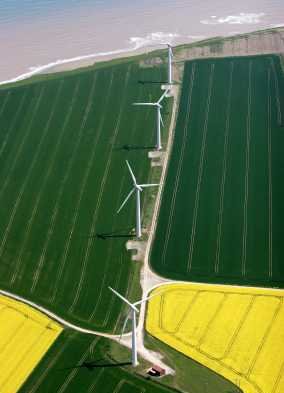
67	175
46	178
13	122
200	171
247	173
96	212
224	174
29	173
180	164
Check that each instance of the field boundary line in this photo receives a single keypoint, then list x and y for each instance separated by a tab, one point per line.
95	214
180	164
270	224
57	318
200	170
29	171
248	138
224	174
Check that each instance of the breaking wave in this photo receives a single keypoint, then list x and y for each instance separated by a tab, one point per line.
240	19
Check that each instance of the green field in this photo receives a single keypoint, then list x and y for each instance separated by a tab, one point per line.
63	144
83	363
222	212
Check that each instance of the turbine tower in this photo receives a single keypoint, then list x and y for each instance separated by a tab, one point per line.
170	57
138	188
133	311
159	116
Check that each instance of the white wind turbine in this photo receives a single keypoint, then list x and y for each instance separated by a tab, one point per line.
159	116
138	188
170	57
133	311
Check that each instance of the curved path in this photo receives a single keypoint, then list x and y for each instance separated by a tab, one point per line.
56	317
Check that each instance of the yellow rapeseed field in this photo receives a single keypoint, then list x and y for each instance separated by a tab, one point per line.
25	336
236	331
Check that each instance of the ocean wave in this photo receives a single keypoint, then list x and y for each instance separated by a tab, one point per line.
240	19
153	39
196	37
157	38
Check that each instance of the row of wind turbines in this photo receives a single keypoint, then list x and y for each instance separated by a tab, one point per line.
137	189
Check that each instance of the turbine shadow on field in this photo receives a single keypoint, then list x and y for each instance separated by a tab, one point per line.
105	236
90	365
120	233
134	147
152	82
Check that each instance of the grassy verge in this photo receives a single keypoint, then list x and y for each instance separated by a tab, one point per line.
190	377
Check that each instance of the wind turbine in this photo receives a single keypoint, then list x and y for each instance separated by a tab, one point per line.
133	311
138	188
159	116
170	57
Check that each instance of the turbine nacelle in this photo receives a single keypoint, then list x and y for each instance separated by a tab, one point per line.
170	48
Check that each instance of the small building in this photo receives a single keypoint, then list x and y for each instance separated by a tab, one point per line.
156	371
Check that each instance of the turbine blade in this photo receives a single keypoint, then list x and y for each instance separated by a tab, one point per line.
148	185
131	172
147	298
125	200
124	325
144	103
124	299
162	96
161	120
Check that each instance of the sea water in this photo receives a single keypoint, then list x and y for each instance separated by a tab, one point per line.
38	34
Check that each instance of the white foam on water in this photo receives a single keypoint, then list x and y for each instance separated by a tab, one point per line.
151	39
241	19
196	37
274	25
158	38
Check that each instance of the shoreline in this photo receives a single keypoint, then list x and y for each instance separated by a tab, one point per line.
208	47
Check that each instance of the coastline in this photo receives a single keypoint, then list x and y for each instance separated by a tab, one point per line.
151	49
269	40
